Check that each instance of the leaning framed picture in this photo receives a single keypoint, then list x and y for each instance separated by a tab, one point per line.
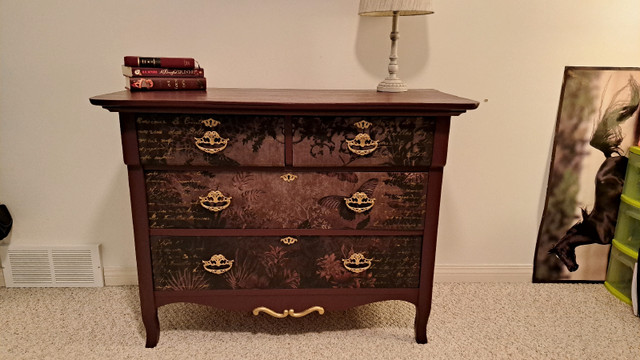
597	122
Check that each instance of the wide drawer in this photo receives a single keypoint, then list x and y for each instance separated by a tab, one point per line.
273	200
211	140
205	263
362	141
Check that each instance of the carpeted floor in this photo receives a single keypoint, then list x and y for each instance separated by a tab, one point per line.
468	321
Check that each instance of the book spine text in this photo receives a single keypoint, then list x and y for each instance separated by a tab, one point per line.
163	62
147	84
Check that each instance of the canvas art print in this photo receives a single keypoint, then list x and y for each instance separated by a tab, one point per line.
597	123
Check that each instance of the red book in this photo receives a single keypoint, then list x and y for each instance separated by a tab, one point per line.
161	72
160	62
156	83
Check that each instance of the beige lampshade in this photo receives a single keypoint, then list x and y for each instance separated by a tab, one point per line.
387	7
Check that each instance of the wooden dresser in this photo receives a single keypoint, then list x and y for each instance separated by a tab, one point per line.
284	202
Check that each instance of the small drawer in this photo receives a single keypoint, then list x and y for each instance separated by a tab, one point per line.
628	225
210	140
620	271
362	141
207	263
274	200
632	180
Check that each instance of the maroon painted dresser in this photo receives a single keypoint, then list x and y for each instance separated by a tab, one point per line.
284	202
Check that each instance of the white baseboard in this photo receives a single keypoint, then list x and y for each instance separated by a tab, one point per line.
122	276
483	273
118	276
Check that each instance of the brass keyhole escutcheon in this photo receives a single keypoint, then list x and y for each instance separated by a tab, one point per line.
289	177
289	240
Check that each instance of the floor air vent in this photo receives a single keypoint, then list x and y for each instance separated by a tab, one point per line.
54	266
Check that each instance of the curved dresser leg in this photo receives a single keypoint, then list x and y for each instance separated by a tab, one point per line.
151	326
422	317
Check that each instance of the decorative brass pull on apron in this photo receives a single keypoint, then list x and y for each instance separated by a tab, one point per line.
289	312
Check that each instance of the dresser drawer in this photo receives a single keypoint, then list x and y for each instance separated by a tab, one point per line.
362	141
215	140
204	263
307	200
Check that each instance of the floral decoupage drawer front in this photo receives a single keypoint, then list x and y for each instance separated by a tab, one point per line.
362	141
217	140
272	200
206	263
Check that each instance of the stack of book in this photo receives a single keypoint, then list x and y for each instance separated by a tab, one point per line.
162	73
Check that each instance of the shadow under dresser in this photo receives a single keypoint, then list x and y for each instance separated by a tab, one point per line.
284	202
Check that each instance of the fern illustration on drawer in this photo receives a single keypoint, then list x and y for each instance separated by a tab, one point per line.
182	263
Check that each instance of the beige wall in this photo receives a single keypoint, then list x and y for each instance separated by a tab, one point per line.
61	171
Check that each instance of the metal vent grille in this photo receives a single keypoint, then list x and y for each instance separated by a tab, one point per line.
54	266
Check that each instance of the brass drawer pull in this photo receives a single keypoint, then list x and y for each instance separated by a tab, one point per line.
288	240
215	201
218	264
359	202
211	142
289	312
289	177
362	144
357	263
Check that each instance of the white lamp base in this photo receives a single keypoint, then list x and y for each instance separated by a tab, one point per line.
392	85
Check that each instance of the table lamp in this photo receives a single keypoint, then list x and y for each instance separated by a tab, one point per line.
394	8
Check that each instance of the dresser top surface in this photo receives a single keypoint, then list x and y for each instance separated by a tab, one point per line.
285	99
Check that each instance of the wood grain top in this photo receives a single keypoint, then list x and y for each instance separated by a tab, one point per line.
289	100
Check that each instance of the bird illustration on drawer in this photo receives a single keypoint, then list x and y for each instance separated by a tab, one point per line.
361	200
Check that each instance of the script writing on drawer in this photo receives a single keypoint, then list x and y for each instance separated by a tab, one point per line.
263	200
362	141
214	140
206	263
